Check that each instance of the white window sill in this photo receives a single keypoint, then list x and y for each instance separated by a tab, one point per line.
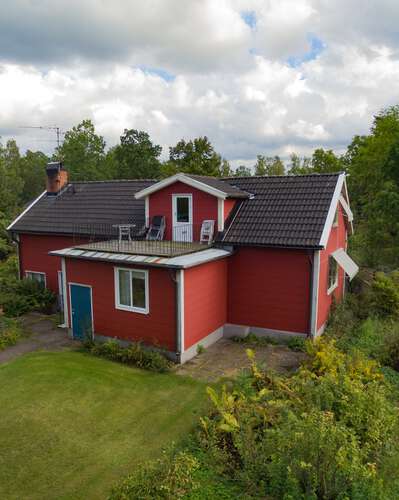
332	288
132	309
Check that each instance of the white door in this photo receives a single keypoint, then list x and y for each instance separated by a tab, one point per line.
182	217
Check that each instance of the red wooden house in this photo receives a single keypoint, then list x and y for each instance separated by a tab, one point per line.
276	260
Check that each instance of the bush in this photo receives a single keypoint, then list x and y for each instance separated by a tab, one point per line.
10	332
384	295
327	432
19	297
134	355
167	478
297	343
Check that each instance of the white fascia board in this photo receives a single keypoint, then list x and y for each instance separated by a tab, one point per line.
180	178
346	208
25	211
331	211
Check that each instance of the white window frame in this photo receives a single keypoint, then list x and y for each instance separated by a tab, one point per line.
36	272
331	288
336	217
123	307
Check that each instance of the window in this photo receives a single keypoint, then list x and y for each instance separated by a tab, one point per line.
131	290
335	223
36	276
182	209
332	274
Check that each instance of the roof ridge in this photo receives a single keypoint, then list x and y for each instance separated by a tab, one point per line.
109	181
316	174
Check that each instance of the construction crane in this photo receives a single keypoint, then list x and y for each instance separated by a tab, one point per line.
51	127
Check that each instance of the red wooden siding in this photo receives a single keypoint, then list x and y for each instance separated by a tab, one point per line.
270	288
228	207
337	239
33	251
205	300
158	327
205	207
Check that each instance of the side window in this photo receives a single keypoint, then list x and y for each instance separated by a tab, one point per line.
131	290
36	276
332	274
335	223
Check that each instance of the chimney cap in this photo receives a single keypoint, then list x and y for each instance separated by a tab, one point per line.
53	166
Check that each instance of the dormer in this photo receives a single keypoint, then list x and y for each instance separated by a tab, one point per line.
186	201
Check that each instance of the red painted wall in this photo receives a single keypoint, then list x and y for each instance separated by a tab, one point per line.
33	251
205	300
158	327
337	239
205	207
228	207
269	288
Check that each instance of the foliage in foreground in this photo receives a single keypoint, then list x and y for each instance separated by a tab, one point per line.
10	332
135	354
19	297
329	431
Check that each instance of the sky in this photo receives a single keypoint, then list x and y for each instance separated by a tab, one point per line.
255	76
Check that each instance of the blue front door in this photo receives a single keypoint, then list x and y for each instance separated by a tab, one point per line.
81	308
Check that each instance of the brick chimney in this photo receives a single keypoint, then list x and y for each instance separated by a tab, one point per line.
57	177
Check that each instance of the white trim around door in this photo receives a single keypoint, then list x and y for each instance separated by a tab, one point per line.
182	230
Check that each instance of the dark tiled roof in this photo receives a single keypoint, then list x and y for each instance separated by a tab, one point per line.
226	187
285	211
85	207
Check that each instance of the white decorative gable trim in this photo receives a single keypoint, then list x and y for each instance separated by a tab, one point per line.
195	183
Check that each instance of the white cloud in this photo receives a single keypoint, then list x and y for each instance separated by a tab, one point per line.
183	69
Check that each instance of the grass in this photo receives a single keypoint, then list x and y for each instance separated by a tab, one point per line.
72	425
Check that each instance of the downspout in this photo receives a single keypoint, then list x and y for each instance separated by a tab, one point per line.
175	276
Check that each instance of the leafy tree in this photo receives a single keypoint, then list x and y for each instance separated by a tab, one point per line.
243	171
196	156
326	162
83	152
373	167
269	166
225	169
299	166
11	183
137	157
32	169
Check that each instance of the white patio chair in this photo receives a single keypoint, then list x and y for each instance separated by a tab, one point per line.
207	230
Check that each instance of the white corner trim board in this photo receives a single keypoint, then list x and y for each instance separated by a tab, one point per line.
220	214
25	211
181	178
315	292
331	211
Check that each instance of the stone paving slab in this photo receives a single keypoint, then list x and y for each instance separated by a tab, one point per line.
227	358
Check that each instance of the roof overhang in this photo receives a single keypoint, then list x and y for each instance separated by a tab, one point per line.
9	228
348	265
179	262
180	178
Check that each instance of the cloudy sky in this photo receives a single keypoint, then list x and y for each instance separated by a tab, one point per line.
255	76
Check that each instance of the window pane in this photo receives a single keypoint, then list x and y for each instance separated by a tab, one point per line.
124	288
138	283
38	277
182	208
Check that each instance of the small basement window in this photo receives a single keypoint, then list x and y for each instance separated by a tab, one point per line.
131	290
36	276
332	274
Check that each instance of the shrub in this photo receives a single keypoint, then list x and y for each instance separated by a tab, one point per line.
384	295
20	297
134	355
326	432
297	343
10	332
169	477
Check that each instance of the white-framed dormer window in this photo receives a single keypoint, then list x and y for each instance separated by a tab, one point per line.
36	276
332	274
131	290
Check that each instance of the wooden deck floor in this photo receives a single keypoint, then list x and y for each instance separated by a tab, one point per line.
145	247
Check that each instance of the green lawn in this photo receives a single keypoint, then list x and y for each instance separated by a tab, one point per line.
71	424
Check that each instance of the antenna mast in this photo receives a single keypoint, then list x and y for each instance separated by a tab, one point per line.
51	127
